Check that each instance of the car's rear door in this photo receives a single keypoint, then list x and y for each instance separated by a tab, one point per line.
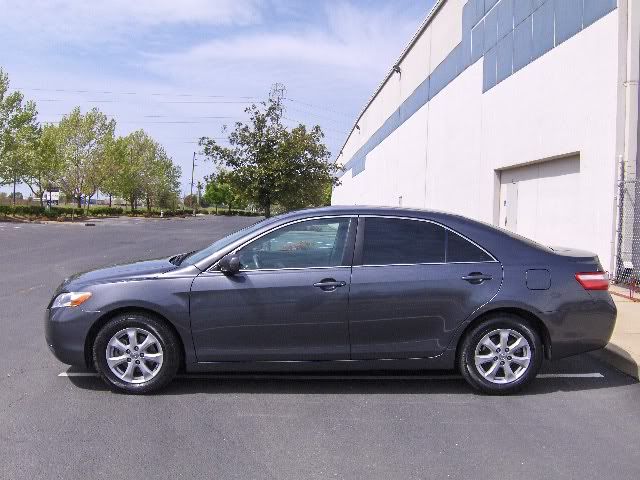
288	302
413	282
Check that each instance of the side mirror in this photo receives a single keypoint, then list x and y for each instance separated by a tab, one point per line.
229	264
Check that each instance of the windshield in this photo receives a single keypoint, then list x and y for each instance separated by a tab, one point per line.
225	241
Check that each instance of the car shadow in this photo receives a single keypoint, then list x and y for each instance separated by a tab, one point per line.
376	383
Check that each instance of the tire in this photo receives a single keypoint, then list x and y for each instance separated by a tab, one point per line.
156	349
495	372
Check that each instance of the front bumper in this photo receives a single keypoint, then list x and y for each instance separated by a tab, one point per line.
66	331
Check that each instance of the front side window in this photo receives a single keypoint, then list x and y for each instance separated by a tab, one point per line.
389	241
307	244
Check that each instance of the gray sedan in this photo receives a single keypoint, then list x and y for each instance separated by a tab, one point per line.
338	288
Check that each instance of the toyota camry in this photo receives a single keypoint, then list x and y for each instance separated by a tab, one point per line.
338	288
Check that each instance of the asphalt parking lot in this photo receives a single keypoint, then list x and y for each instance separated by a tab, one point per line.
581	419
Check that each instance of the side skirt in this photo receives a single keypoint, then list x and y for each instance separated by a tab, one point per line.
445	361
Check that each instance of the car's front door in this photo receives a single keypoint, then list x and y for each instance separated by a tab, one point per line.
413	283
288	302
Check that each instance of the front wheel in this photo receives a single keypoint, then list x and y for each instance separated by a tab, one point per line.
501	355
136	353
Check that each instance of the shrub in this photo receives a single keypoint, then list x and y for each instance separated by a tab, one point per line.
109	211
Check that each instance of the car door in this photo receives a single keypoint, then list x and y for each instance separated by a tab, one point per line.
413	282
288	302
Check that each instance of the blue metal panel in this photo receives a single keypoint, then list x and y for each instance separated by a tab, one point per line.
477	42
468	16
596	9
444	73
488	4
505	18
522	44
491	30
522	9
358	166
505	58
543	29
489	74
479	9
467	25
415	101
568	19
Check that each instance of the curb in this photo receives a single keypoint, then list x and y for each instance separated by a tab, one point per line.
618	358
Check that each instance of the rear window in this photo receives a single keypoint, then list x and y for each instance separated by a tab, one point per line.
461	250
390	241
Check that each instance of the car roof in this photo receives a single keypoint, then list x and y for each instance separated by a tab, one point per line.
368	210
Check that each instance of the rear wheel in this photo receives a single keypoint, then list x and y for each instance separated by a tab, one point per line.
501	355
136	353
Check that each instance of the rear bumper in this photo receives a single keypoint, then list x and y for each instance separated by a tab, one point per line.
66	331
582	326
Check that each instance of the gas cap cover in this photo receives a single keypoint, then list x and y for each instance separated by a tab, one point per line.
538	279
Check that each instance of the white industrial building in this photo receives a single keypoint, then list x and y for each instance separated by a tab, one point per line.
513	112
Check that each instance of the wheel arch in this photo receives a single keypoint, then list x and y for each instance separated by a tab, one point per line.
105	318
526	315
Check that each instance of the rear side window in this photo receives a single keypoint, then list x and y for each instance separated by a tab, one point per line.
461	250
390	241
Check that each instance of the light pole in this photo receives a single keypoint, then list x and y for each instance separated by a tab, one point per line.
193	167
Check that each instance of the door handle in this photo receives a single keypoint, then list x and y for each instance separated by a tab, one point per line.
476	278
329	284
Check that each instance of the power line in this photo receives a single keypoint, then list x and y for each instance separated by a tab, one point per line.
195	102
110	92
319	107
243	99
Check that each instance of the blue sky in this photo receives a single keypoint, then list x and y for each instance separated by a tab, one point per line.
174	68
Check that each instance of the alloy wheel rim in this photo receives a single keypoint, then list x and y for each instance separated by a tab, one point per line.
502	356
134	355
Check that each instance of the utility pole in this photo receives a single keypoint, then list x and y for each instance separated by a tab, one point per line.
193	167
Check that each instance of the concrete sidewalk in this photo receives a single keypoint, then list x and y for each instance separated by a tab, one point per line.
623	350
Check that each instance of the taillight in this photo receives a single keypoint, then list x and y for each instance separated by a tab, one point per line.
593	280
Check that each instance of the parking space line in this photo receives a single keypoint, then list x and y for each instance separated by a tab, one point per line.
267	376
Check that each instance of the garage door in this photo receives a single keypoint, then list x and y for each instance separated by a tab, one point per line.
540	200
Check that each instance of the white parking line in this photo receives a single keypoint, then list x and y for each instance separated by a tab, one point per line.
337	377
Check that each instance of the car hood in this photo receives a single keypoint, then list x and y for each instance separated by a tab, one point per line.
119	273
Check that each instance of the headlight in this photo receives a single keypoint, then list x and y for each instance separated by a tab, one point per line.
71	299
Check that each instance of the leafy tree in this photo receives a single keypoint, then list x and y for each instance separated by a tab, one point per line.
159	175
18	133
220	190
142	170
44	163
190	201
114	161
269	164
83	140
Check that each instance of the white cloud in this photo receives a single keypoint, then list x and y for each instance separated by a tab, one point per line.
90	21
364	41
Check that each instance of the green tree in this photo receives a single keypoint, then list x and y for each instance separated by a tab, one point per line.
159	175
190	201
220	190
83	140
270	164
141	170
44	163
18	133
